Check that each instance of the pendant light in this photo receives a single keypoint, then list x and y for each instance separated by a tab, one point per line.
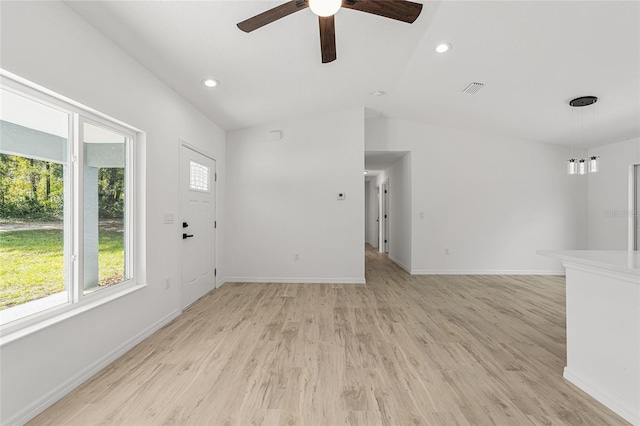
572	165
594	166
582	167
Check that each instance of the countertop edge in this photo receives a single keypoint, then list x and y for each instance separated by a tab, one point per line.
564	257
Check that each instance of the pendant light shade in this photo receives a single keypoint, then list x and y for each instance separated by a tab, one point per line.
582	167
572	167
594	164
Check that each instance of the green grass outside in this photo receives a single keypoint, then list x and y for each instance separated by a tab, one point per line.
32	263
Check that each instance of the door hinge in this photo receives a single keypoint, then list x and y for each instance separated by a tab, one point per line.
215	177
215	224
215	272
385	191
385	216
385	241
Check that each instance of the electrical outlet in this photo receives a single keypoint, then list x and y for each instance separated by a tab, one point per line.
167	283
168	218
296	257
446	252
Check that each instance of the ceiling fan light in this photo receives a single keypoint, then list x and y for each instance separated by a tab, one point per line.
325	7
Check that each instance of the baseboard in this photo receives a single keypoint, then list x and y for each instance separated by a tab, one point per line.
58	393
295	280
400	264
610	401
485	272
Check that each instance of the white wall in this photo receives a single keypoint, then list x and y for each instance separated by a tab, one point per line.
50	45
283	195
609	197
492	201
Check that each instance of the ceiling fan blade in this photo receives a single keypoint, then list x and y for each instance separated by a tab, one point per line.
400	10
327	38
272	15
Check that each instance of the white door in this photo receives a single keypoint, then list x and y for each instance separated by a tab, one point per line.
384	227
378	216
197	210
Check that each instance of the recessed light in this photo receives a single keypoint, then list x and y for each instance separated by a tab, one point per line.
443	47
209	82
366	172
377	93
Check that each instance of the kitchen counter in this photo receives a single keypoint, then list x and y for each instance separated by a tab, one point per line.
603	326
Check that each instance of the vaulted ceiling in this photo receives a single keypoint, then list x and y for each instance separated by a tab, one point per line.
533	57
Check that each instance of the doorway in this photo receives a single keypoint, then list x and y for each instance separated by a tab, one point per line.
197	210
383	167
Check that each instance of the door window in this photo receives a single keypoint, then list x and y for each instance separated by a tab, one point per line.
198	176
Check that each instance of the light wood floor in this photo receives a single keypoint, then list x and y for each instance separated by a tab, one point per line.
401	350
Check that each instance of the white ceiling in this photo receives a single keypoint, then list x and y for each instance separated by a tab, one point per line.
532	56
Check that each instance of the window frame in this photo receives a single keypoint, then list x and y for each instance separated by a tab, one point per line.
78	301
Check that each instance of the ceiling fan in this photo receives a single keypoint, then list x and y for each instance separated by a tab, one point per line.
400	10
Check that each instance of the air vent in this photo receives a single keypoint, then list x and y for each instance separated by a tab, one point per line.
473	88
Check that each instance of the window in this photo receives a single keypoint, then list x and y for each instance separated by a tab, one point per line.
67	206
105	199
198	177
33	200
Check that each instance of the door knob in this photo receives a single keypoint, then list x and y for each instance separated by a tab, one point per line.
185	236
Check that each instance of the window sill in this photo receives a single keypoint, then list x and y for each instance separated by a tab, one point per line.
11	333
24	310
